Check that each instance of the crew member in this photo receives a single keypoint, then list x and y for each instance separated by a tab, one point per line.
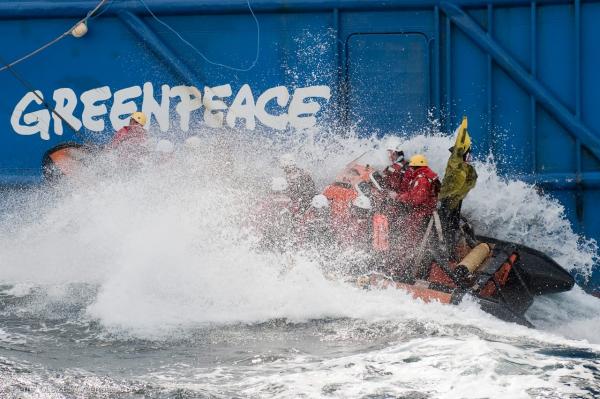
302	188
133	134
394	173
420	199
459	179
275	217
315	226
340	195
358	232
396	179
380	221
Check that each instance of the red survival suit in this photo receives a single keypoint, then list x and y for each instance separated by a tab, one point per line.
131	135
129	144
421	201
368	231
340	196
397	179
394	176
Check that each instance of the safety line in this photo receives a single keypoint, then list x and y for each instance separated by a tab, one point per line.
32	89
200	53
91	14
54	41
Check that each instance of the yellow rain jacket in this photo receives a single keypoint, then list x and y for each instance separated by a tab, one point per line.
460	176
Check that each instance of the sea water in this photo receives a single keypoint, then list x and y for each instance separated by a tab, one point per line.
120	283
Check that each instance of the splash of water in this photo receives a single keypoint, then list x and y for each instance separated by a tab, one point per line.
169	247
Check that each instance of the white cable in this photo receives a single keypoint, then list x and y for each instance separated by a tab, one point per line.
92	15
200	53
56	40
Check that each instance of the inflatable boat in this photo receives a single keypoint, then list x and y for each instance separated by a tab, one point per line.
66	159
503	277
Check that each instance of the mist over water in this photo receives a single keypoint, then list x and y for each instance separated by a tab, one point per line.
164	258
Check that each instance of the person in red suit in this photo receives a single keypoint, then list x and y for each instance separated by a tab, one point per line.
394	173
133	134
419	199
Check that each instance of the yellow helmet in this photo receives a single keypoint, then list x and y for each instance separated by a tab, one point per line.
418	160
139	117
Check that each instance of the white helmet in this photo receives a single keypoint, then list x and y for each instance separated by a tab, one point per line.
394	146
164	146
397	148
399	152
192	143
319	201
279	184
287	160
362	202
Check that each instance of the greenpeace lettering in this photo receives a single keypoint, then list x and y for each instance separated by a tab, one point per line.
66	101
213	115
243	107
123	105
190	99
94	108
36	122
276	108
151	107
282	95
302	113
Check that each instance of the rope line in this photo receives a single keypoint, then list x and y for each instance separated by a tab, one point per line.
32	89
202	54
54	41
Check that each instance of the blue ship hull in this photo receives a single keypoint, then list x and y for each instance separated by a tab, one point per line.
526	73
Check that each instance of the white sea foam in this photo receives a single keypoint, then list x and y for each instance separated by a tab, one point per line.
170	247
440	367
